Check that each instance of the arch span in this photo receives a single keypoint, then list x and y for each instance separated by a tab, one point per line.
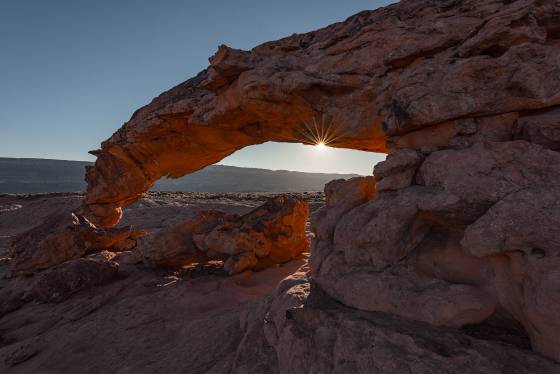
380	73
240	100
465	94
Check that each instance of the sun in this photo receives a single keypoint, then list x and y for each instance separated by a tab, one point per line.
320	146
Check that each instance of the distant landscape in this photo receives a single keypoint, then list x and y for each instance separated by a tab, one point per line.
31	175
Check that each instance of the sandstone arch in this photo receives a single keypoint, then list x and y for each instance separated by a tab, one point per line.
375	74
465	97
242	99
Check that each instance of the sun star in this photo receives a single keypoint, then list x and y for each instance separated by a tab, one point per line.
320	146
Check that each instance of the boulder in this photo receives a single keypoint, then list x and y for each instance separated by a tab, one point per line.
398	170
341	196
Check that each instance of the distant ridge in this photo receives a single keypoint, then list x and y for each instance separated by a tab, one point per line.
35	175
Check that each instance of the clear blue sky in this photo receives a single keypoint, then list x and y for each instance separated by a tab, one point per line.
71	72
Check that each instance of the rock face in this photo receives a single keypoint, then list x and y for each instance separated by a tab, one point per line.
462	230
65	236
175	247
474	238
308	332
270	234
460	72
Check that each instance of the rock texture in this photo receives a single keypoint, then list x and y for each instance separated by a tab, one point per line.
87	315
464	96
473	238
62	281
310	333
421	73
271	234
65	236
458	235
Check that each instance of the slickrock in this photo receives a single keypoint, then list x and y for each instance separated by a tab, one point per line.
341	196
458	246
60	282
398	170
272	233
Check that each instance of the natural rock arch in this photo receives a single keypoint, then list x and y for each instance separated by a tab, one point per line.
465	97
385	72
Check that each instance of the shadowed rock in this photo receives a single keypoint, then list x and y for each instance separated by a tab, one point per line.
62	281
65	236
270	234
310	332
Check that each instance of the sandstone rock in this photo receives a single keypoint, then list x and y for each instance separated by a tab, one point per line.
450	88
379	74
400	290
404	252
310	332
460	133
271	233
526	221
362	343
238	263
397	171
529	288
542	128
59	282
14	294
341	196
382	231
65	236
175	247
487	172
520	235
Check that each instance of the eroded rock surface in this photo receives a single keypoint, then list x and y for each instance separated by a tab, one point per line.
273	233
463	94
459	235
65	236
309	332
473	237
460	71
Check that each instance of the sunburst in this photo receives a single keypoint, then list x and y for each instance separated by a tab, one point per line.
321	134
